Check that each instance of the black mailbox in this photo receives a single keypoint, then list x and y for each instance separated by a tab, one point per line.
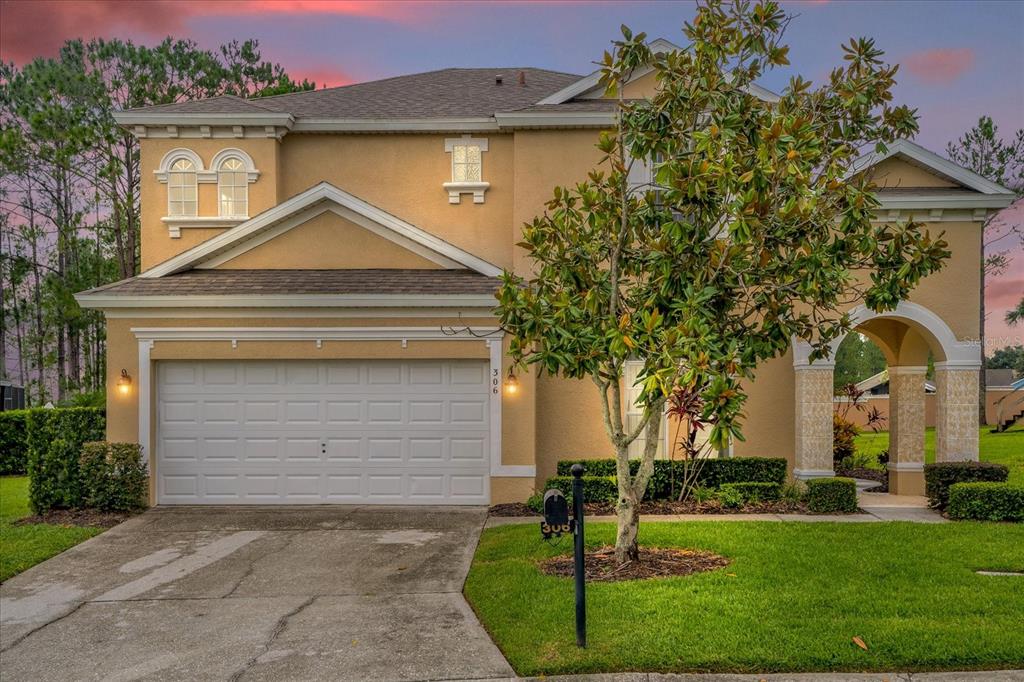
556	514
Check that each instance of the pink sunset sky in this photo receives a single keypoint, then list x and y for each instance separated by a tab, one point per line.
959	60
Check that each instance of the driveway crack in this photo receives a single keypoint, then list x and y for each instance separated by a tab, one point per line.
279	627
252	565
33	631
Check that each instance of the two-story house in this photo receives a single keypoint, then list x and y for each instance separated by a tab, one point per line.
313	321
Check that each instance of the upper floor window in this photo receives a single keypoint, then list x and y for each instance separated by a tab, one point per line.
467	168
233	187
182	195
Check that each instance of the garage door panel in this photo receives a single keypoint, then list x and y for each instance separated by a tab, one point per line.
326	431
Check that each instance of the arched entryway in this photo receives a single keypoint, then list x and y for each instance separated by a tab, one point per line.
906	335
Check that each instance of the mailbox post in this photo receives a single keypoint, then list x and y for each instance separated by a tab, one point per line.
556	522
580	568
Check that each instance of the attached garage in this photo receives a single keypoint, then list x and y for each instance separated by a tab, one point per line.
323	431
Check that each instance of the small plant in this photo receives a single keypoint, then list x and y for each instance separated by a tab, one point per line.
832	495
730	497
844	434
793	492
536	502
755	492
702	494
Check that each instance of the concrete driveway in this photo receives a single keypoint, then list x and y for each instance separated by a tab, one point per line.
324	593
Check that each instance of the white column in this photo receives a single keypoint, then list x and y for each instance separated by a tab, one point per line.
956	413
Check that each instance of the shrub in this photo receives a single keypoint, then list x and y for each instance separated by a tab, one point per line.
793	492
986	501
702	494
844	434
595	488
13	442
832	495
755	492
54	440
940	476
114	476
713	472
730	497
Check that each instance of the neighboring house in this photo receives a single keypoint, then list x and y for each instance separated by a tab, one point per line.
313	322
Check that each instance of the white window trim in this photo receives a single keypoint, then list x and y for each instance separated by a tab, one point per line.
457	189
163	171
231	153
148	336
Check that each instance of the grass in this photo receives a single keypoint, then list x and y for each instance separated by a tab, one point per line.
22	547
1005	448
792	599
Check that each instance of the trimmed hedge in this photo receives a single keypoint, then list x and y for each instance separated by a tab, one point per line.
114	477
595	488
13	442
832	495
54	439
754	491
940	476
713	472
982	501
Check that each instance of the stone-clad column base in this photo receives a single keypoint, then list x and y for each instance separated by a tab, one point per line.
956	414
906	430
813	421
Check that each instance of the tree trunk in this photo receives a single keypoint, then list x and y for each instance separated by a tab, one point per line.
632	489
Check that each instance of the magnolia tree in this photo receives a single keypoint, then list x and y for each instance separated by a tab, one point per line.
753	231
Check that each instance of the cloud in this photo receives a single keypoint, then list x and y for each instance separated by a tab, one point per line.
21	39
941	65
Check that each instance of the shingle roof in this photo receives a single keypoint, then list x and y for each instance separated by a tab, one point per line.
256	282
446	93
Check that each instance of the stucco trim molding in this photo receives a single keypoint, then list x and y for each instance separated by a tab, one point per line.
960	354
921	157
210	175
806	474
176	223
485	303
163	171
490	336
317	199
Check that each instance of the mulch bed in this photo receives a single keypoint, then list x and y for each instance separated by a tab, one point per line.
511	509
601	565
76	517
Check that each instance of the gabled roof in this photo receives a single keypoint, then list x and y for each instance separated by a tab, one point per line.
882	378
304	206
931	162
589	85
447	93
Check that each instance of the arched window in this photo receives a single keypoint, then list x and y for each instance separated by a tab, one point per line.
182	198
233	187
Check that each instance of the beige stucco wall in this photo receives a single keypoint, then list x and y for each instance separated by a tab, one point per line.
157	244
895	172
550	418
328	241
404	174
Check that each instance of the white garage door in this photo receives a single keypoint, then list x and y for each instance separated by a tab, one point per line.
298	432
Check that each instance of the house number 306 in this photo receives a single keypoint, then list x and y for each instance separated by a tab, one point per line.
495	381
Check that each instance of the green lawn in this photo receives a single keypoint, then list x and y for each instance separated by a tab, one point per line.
792	599
22	547
1005	448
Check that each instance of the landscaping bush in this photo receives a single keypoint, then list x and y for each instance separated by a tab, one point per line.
939	477
713	472
730	497
13	442
832	495
113	476
844	433
986	502
54	440
595	488
755	492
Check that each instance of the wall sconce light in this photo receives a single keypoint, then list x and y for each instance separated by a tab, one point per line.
124	384
511	383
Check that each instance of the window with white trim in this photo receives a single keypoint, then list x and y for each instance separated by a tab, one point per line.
467	168
182	195
233	187
635	411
